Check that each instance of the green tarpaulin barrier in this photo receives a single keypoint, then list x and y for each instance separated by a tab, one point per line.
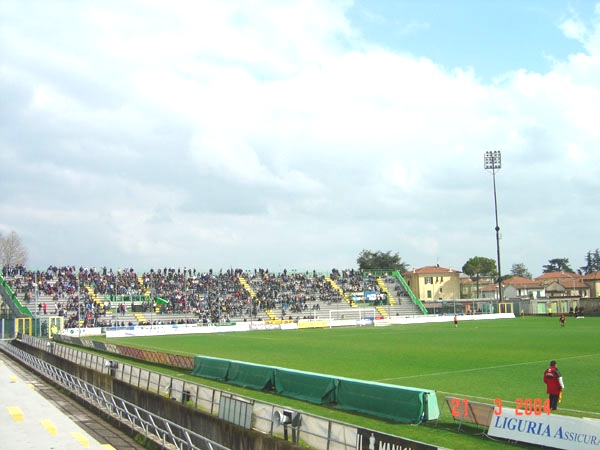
213	368
311	387
397	403
252	376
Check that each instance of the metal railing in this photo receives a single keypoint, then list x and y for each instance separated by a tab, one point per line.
168	433
318	432
313	431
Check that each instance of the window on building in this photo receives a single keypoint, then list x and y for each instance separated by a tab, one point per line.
428	280
429	295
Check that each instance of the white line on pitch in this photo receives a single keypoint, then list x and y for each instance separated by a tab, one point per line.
479	368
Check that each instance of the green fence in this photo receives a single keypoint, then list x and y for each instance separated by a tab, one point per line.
7	328
396	274
406	287
310	387
400	404
12	301
259	377
397	403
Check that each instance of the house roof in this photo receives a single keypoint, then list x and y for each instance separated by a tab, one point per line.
522	283
557	276
488	287
569	280
434	270
519	280
573	283
592	276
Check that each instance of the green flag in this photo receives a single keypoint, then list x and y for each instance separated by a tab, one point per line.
161	301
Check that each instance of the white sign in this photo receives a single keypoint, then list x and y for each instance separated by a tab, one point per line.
548	430
148	330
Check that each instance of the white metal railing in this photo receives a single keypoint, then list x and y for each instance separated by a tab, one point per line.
314	431
168	433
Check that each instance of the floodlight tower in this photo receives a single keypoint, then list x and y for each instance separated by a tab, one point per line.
492	162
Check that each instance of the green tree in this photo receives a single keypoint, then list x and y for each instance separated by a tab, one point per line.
592	262
479	266
368	260
519	270
12	250
557	265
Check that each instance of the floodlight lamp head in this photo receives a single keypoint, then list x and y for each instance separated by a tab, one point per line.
492	160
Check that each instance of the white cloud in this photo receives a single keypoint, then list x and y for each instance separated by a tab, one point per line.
218	133
576	153
574	29
586	33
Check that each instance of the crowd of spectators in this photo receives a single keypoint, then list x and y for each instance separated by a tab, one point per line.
295	292
355	281
11	271
207	297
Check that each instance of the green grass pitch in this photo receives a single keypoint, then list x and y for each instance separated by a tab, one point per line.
478	360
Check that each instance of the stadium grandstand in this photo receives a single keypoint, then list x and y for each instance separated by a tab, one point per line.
90	297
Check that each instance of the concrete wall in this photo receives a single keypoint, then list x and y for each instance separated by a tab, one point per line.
200	422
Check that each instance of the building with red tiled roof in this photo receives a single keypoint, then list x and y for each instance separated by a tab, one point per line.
563	284
520	287
487	288
592	280
467	287
550	277
434	283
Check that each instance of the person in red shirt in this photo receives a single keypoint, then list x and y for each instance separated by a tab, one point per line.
554	384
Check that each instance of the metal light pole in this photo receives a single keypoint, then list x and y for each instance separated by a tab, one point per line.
492	161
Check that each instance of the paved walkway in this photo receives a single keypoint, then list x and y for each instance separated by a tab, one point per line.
34	415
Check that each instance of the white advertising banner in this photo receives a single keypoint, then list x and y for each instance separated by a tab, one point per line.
154	330
548	430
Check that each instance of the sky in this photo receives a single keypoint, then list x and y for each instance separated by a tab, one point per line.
294	135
